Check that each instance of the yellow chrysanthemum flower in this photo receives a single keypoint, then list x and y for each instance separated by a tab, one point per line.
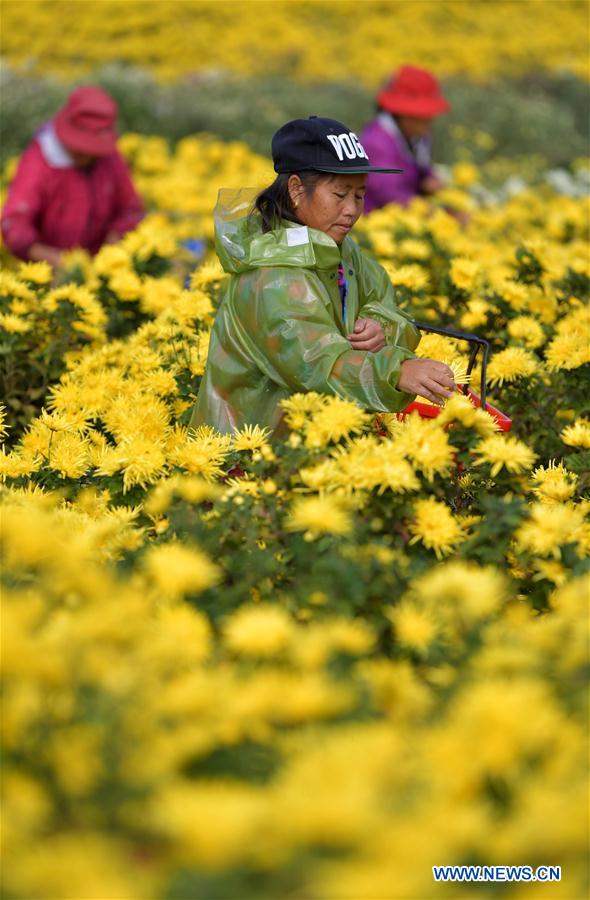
413	626
37	272
299	407
245	485
577	320
203	452
209	273
319	515
435	526
571	599
436	346
393	473
250	437
454	198
550	570
110	259
528	330
56	422
19	307
14	324
464	273
382	244
105	458
324	476
554	484
143	461
549	528
504	451
69	455
465	173
365	464
190	306
568	351
443	226
459	408
476	314
188	487
413	277
544	305
413	248
426	444
126	285
515	294
200	458
14	464
158	295
510	364
459	369
578	434
336	418
471	592
261	630
176	569
11	286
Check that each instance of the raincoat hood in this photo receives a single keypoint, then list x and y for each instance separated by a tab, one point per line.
242	246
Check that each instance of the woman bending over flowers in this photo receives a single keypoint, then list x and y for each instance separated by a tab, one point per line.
305	309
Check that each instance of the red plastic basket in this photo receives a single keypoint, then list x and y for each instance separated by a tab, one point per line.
429	411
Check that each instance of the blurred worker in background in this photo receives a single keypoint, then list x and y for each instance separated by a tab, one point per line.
400	136
72	187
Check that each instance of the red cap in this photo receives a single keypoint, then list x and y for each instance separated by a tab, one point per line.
413	92
86	124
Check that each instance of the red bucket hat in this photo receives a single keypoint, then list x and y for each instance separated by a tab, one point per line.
413	92
86	123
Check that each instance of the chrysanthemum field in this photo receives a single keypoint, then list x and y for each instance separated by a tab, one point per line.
317	668
237	668
317	40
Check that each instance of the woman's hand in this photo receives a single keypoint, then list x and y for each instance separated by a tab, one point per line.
367	335
430	184
38	252
428	378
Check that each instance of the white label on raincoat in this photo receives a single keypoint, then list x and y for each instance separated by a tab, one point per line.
297	236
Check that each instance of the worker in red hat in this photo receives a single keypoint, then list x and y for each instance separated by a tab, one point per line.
72	187
399	136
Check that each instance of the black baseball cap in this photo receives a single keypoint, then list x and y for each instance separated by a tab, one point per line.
323	145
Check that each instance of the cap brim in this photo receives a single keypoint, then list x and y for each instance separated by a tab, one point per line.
352	171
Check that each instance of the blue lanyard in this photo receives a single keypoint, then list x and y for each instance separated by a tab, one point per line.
343	287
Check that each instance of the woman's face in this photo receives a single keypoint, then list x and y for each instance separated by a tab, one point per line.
333	207
414	127
81	160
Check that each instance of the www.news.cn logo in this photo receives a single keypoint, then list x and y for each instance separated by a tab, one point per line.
496	873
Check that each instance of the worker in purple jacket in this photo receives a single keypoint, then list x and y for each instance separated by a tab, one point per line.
399	137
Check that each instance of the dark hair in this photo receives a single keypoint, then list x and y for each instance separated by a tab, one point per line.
274	202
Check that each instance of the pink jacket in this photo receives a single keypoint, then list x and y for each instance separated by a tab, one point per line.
52	201
386	146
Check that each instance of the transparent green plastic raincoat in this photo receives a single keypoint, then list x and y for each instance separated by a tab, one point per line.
280	327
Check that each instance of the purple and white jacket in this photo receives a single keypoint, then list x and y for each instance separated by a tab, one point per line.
386	146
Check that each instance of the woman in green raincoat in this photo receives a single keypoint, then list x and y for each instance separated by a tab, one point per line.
305	309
